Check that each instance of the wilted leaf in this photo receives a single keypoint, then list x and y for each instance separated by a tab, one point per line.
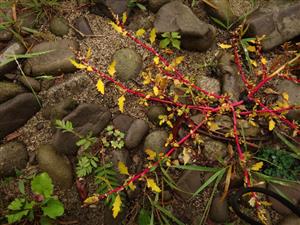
152	185
152	35
116	27
122	168
77	65
156	60
151	154
251	48
285	96
121	101
117	206
257	166
213	126
270	91
140	32
263	60
186	155
100	86
224	46
91	200
271	125
155	91
112	68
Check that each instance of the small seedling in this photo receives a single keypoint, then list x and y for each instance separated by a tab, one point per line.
42	201
113	138
172	38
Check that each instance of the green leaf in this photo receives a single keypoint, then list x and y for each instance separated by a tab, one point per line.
53	208
167	213
142	7
176	43
175	35
197	168
46	221
164	43
21	186
42	184
12	218
144	217
17	204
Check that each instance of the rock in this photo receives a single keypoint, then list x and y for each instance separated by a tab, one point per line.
292	192
156	141
248	129
219	211
278	21
135	134
214	150
30	83
13	155
56	165
26	19
82	25
59	26
232	82
155	5
9	90
209	84
198	118
82	2
15	112
55	62
221	10
107	7
290	220
189	182
14	48
5	35
85	118
176	17
155	111
293	90
122	122
142	19
128	64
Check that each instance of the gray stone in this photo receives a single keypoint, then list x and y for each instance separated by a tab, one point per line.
214	150
292	192
107	7
5	35
13	155
189	183
85	118
279	22
9	90
156	141
290	220
15	112
82	25
143	19
55	62
177	17
56	165
155	5
209	84
219	211
128	64
122	122
135	134
7	65
248	129
155	111
232	82
293	90
30	83
59	26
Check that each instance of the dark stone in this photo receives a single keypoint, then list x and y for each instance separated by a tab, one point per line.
13	48
16	112
56	165
9	90
155	111
209	84
26	19
13	155
176	17
5	35
30	83
155	5
85	118
290	220
82	24
122	122
55	62
106	7
156	141
214	150
137	131
219	211
59	26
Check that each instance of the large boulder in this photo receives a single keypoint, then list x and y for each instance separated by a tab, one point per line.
85	118
9	90
278	21
177	17
15	112
54	60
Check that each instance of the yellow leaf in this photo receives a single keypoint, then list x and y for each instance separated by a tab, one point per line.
152	185
253	62
91	200
116	27
122	168
285	96
263	60
271	125
156	60
151	154
121	101
251	48
155	91
89	69
152	35
100	86
112	68
224	46
77	65
186	155
124	17
140	32
132	186
257	166
117	206
177	61
213	126
88	53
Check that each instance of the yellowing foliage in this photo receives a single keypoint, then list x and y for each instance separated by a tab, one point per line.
121	101
112	68
152	185
100	86
151	154
257	166
140	32
117	206
122	168
91	200
152	35
155	91
224	46
271	125
77	65
124	17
